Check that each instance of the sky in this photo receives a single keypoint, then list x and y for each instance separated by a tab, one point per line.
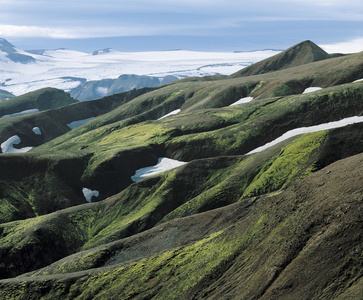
201	25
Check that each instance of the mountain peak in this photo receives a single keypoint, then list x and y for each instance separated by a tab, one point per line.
299	54
13	54
5	44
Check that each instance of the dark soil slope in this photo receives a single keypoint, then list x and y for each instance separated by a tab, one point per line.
300	54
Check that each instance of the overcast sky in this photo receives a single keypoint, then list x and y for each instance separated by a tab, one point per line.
209	25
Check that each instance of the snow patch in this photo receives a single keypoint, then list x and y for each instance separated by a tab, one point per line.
358	80
311	89
163	164
7	146
243	100
22	113
174	112
302	130
88	194
75	124
37	131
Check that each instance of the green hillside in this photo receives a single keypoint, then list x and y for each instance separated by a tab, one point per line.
42	99
280	223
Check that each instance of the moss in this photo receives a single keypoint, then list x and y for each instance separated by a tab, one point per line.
258	86
283	90
293	162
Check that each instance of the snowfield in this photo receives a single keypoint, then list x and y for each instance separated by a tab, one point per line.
75	124
312	89
241	101
174	112
8	145
22	113
88	194
310	129
65	69
163	164
37	131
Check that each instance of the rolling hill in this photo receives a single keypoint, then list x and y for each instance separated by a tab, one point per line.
265	201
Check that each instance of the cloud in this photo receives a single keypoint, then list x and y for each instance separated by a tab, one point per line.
352	46
35	31
127	29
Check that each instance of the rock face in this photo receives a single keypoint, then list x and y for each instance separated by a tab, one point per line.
300	54
13	54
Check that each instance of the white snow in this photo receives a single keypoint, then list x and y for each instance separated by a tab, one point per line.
302	130
174	112
358	80
88	194
102	91
243	100
75	124
54	68
37	131
22	113
311	89
163	164
7	146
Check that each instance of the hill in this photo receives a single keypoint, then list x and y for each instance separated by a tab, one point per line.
300	54
39	100
205	188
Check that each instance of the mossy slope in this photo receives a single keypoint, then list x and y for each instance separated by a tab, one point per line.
281	247
197	187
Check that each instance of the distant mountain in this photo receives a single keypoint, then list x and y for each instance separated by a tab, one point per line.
300	54
14	54
90	90
103	51
5	95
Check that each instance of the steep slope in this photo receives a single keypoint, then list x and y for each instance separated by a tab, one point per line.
302	243
300	54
